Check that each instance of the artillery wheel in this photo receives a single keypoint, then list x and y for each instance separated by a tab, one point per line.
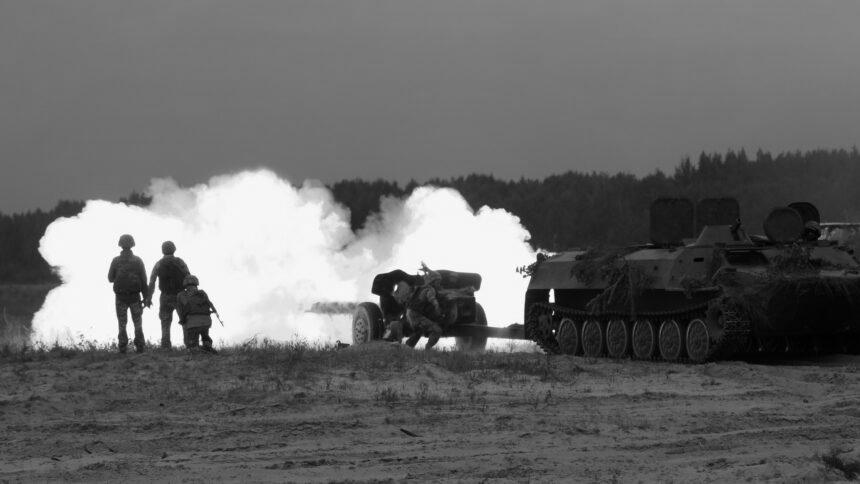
671	340
592	338
470	343
569	337
617	338
367	323
644	339
699	344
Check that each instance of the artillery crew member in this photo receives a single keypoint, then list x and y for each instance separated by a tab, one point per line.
402	293
423	310
195	309
170	272
128	275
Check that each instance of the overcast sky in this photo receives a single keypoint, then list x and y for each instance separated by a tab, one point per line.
99	96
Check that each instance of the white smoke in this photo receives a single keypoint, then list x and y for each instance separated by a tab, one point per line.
265	251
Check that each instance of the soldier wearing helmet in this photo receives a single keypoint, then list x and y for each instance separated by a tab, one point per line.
128	275
195	309
401	293
423	311
170	272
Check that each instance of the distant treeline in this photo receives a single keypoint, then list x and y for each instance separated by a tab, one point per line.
560	211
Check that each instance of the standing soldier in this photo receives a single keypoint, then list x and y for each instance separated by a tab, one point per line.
128	276
423	310
194	309
171	272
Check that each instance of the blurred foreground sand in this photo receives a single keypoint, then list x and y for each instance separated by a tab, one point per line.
381	412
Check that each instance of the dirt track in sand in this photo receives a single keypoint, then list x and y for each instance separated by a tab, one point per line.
266	415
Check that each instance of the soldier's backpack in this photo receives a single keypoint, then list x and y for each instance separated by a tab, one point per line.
170	276
198	303
127	278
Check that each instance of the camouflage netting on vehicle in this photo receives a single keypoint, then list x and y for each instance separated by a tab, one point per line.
793	295
625	283
596	264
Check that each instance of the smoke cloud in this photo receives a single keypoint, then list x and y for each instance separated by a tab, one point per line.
265	251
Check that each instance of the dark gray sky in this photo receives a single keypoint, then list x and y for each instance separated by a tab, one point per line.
98	96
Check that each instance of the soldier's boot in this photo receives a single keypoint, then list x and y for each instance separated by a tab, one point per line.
139	341
431	341
413	340
394	333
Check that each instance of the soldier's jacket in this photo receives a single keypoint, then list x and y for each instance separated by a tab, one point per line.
170	272
194	308
128	275
424	301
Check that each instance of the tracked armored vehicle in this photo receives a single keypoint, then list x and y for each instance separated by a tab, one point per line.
701	290
464	318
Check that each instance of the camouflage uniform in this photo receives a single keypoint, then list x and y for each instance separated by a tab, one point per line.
170	271
422	312
128	276
194	309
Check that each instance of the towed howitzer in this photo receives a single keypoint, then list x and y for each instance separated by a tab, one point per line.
463	317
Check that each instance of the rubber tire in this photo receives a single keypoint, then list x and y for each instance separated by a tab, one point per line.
698	341
569	337
473	343
644	339
593	338
617	338
367	324
671	340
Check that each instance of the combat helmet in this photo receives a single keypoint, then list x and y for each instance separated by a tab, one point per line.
126	241
402	292
168	247
190	280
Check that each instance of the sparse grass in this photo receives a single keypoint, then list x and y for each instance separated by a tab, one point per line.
18	304
302	360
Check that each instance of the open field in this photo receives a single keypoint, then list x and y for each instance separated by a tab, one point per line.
380	412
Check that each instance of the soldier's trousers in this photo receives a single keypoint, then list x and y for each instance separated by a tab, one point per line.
422	326
193	336
166	306
123	306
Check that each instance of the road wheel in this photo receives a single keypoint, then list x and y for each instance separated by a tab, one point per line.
671	340
617	338
367	323
698	341
644	339
592	338
569	337
471	343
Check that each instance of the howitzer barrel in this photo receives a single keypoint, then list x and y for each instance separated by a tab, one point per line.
513	331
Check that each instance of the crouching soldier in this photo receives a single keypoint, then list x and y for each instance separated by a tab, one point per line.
401	293
195	309
128	276
423	311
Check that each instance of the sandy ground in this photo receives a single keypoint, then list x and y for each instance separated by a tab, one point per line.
379	412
